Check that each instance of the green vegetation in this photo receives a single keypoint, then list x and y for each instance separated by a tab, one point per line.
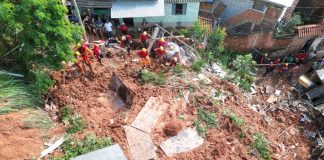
235	118
289	27
262	145
244	72
215	47
201	129
178	69
14	94
205	119
72	148
196	31
208	117
74	121
38	120
35	36
197	65
151	77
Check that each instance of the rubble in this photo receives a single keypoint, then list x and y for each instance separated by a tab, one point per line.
183	142
113	152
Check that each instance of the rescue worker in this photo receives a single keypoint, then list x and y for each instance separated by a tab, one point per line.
285	68
292	71
145	58
78	61
269	69
126	42
143	38
174	61
97	52
85	52
162	43
123	28
264	58
159	52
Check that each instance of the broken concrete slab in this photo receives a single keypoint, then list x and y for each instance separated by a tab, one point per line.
140	144
150	114
183	142
113	152
122	91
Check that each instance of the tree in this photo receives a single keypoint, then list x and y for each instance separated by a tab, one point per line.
40	30
215	42
289	26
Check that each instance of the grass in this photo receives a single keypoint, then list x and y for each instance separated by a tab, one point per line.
38	120
201	129
72	147
197	65
15	94
152	77
261	144
74	121
208	117
235	119
178	69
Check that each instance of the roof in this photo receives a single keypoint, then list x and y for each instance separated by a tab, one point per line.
128	9
285	3
94	3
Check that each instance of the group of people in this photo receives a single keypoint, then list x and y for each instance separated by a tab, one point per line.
290	65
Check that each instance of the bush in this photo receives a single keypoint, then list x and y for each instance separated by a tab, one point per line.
72	148
289	27
42	81
234	118
208	117
74	121
243	71
201	129
197	65
151	77
262	145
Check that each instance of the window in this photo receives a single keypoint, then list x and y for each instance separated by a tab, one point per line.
259	6
179	9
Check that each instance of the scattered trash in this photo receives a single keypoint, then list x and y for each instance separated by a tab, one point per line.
218	70
182	142
277	92
113	152
305	118
272	99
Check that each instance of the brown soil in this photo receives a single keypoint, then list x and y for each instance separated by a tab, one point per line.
18	142
172	128
87	95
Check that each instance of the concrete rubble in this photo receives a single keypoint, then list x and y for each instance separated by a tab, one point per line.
113	152
183	142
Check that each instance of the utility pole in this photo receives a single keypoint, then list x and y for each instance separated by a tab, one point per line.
80	20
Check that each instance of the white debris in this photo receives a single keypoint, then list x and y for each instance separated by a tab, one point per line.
183	142
218	70
277	92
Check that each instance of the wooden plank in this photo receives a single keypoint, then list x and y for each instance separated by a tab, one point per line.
52	147
154	35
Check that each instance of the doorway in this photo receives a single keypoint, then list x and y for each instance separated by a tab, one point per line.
129	22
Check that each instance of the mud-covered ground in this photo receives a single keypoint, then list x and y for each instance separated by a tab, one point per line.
88	95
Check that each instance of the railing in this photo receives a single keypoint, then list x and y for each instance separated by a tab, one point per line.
308	30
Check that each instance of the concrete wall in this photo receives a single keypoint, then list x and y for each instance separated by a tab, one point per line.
170	20
234	7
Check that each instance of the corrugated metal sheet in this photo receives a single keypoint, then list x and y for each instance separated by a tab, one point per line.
94	3
183	1
130	9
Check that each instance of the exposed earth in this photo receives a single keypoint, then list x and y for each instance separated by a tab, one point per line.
89	97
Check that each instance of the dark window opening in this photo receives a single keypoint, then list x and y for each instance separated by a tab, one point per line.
179	9
259	6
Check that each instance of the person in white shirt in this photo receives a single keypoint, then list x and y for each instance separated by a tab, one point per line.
108	26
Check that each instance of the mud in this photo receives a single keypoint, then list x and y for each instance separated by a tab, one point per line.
88	94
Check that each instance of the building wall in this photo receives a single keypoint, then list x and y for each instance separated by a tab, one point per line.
173	20
265	41
234	7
